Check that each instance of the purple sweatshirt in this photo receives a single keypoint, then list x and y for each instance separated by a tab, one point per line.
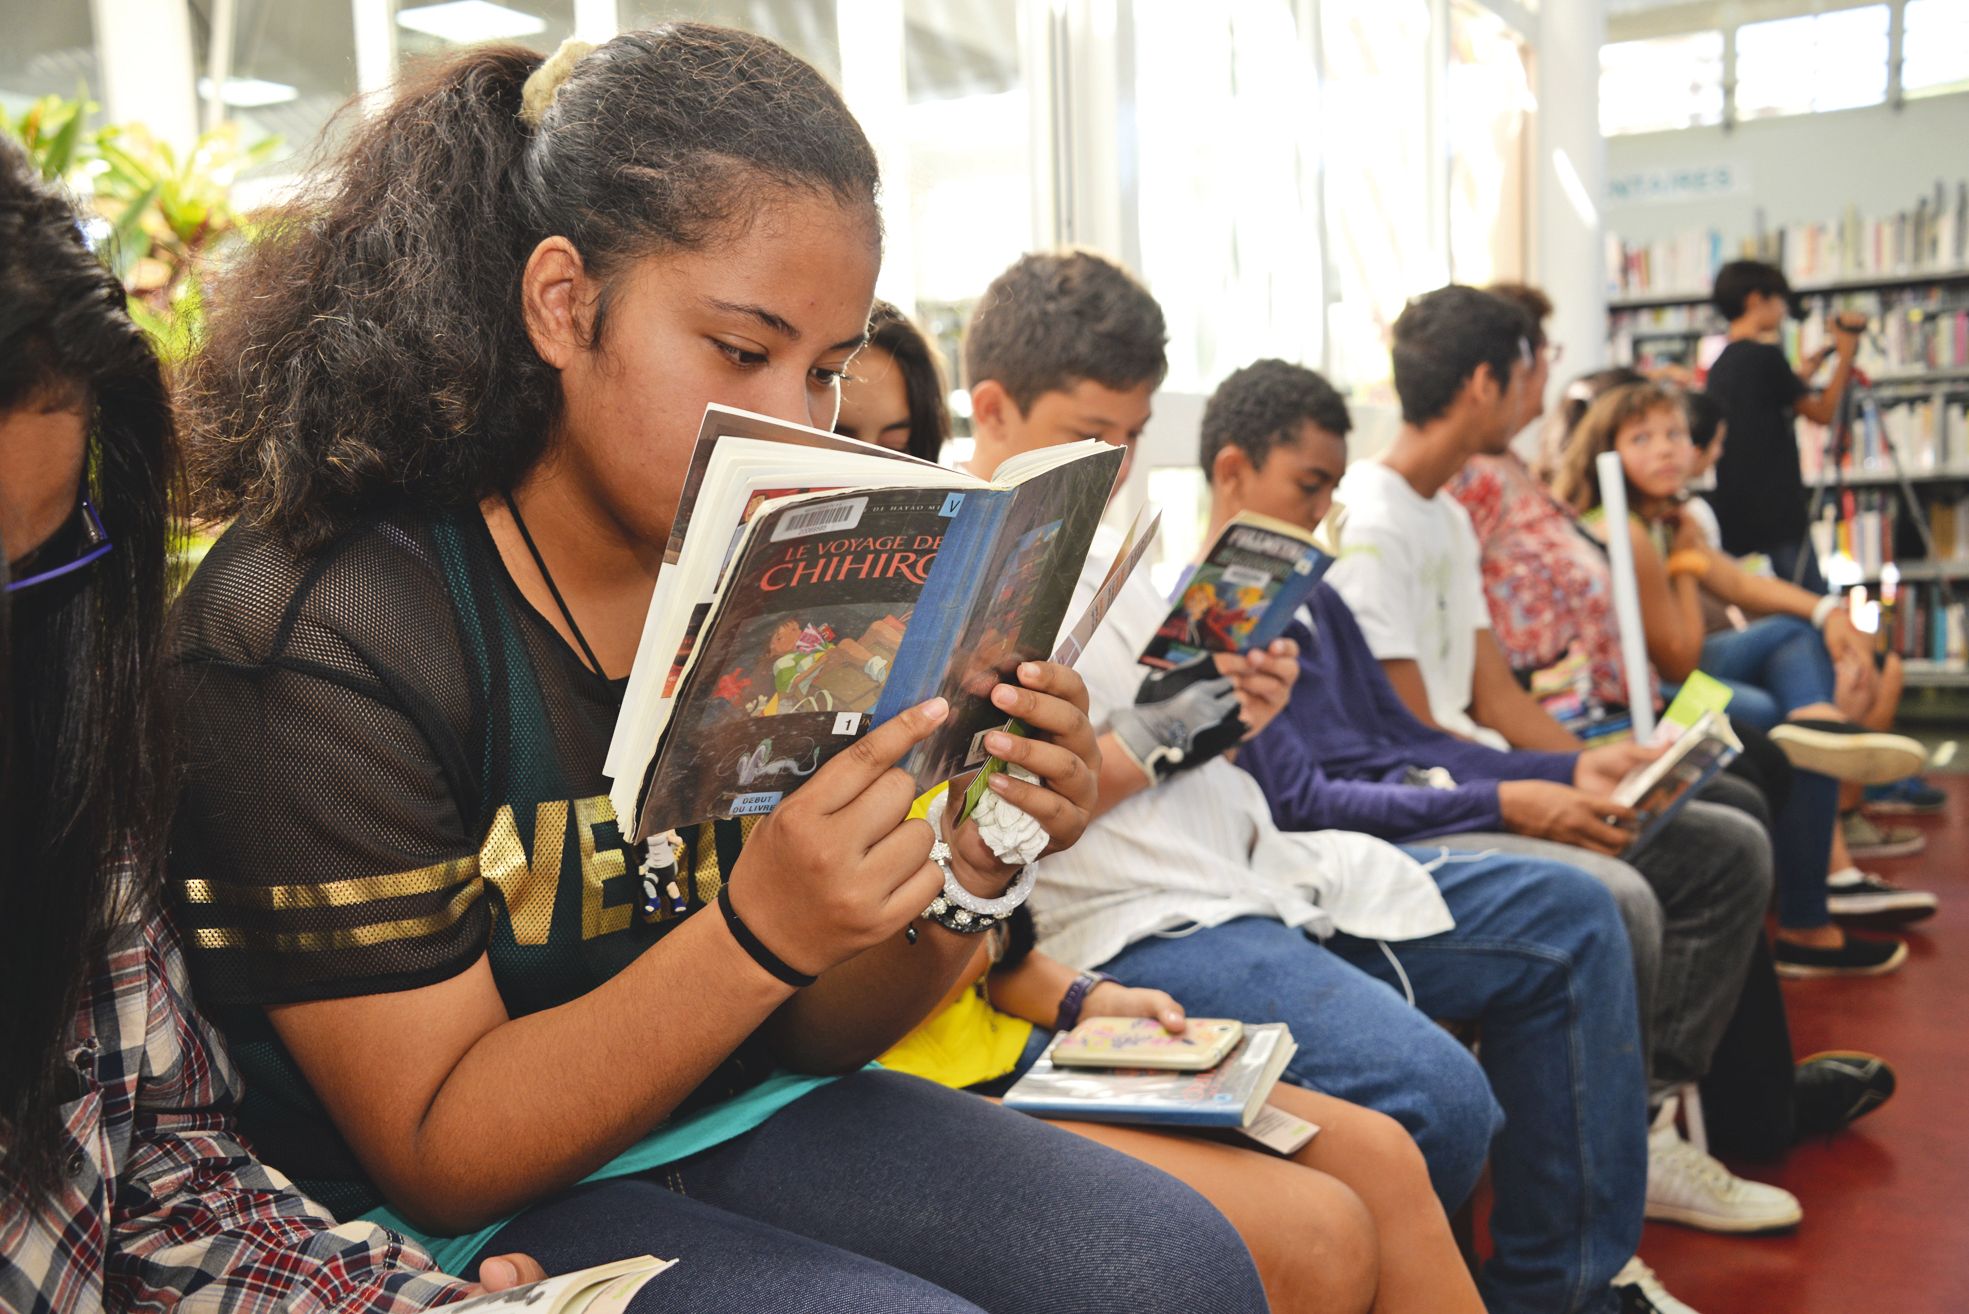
1336	757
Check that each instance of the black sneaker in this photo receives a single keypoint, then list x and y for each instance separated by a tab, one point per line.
1640	1291
1856	957
1859	898
1849	752
1833	1089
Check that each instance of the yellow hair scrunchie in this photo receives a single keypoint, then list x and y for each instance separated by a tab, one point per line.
544	83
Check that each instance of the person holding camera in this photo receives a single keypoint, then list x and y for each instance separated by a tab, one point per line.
1760	491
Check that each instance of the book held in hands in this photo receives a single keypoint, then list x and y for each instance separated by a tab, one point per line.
1243	594
815	586
604	1289
1228	1095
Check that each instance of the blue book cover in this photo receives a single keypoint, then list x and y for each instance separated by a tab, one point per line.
1243	593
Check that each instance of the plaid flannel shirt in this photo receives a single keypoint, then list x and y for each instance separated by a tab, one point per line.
162	1205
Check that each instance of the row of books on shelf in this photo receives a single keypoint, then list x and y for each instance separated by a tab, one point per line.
1930	432
1915	330
1930	234
1925	624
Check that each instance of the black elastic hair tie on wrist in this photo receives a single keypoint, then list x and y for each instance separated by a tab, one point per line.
752	945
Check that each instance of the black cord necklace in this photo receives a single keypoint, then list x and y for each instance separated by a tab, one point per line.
539	561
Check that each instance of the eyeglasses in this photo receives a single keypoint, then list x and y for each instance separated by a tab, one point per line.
1554	352
94	546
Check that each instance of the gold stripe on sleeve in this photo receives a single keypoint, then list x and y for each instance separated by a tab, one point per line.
334	894
352	937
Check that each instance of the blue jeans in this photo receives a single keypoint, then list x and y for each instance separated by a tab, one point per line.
1539	960
888	1194
1778	665
1801	839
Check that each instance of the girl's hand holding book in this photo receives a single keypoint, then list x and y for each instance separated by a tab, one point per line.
1050	701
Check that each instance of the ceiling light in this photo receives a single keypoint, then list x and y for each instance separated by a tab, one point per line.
250	93
462	22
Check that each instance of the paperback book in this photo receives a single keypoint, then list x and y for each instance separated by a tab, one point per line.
815	586
605	1289
1660	789
1242	595
1228	1095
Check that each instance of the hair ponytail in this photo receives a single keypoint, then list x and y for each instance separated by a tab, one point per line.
370	352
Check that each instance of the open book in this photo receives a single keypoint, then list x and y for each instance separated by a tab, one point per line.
1242	594
815	586
605	1289
1664	786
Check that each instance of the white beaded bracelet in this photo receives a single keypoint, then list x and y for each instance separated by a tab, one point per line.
954	893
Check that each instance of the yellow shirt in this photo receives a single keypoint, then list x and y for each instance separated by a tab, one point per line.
968	1042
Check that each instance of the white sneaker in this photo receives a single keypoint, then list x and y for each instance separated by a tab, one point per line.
1641	1292
1688	1186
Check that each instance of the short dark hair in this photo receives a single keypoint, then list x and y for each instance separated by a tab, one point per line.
1738	279
922	378
1706	418
1261	405
1532	300
1441	337
1054	320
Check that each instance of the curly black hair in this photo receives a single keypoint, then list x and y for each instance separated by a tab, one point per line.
369	352
1057	319
1262	405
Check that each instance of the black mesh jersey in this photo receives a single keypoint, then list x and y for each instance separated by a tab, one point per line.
394	766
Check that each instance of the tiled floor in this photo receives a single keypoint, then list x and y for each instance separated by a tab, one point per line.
1886	1226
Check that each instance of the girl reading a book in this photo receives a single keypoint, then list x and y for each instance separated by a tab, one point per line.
897	397
447	404
1811	676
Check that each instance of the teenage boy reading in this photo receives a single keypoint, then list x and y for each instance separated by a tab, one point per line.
1347	753
1760	493
1183	884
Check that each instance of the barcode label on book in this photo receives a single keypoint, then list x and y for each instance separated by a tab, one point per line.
822	519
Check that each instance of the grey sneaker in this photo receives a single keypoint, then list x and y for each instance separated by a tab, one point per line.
1867	838
1850	752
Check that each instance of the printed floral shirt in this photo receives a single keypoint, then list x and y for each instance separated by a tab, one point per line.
1549	586
161	1204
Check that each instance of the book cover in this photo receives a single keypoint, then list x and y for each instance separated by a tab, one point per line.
1242	594
998	597
809	629
1660	789
1228	1095
1141	1042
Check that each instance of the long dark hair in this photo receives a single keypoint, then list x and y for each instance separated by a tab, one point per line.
84	776
370	349
922	378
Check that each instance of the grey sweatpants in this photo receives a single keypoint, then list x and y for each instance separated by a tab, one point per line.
1694	903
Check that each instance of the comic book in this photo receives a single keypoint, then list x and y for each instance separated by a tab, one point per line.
1242	594
815	586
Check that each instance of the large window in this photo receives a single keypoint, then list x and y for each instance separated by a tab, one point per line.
50	50
1228	191
1812	63
1385	225
289	68
1489	100
1662	83
1935	47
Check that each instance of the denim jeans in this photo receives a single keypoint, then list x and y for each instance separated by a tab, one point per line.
1778	665
1693	902
1539	960
887	1194
1801	839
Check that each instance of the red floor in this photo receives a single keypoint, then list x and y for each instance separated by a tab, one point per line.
1886	1204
